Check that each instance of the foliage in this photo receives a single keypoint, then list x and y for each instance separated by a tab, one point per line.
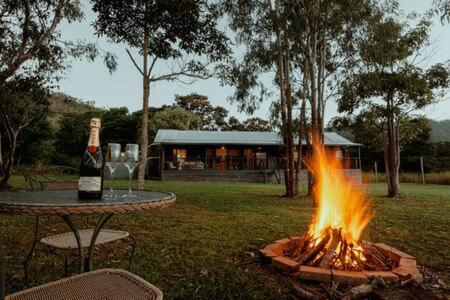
35	145
23	101
71	138
257	124
302	47
174	118
119	126
166	31
388	87
233	124
213	117
442	8
174	27
30	42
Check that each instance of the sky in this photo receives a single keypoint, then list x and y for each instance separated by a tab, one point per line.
91	81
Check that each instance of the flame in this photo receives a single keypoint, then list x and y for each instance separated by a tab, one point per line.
340	204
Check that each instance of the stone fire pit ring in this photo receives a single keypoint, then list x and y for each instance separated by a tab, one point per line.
406	266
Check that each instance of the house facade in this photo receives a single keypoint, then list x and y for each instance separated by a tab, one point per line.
235	156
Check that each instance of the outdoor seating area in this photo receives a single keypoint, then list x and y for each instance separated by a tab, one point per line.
62	203
182	259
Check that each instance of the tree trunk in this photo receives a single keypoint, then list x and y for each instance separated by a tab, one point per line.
392	154
144	125
1	157
9	163
282	84
313	76
298	167
289	126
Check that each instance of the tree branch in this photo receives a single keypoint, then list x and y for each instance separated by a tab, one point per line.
22	55
134	62
151	66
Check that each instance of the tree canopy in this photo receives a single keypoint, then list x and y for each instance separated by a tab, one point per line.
388	87
31	42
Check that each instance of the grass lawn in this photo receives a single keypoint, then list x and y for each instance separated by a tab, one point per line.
200	248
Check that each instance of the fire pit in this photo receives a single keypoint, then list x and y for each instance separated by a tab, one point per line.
397	265
331	249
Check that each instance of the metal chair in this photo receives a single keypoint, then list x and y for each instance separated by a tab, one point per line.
102	284
58	178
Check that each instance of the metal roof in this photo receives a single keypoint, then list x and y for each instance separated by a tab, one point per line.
200	137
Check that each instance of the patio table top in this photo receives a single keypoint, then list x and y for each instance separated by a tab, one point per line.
66	202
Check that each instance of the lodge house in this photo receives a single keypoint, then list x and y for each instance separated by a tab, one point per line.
243	156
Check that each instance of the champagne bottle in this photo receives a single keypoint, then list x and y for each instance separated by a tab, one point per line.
90	184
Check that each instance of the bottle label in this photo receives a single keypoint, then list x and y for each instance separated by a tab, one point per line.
89	184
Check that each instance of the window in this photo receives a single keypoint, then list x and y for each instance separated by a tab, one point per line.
261	160
179	158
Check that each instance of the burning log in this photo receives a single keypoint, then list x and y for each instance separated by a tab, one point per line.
335	240
332	240
316	250
331	250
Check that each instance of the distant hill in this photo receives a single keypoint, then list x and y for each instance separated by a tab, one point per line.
62	104
440	130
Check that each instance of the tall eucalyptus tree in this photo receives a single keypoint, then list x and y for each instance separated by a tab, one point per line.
162	31
304	47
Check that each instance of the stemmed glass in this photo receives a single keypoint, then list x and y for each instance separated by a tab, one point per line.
130	161
112	162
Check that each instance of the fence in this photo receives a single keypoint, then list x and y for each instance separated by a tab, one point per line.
416	169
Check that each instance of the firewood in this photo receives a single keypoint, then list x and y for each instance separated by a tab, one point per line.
314	251
358	291
363	264
302	242
332	293
379	262
335	239
343	253
302	293
315	262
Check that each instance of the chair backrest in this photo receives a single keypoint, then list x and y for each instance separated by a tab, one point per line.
52	178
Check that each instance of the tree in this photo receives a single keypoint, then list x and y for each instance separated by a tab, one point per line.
442	8
213	117
119	126
365	127
193	102
162	31
257	124
71	138
264	29
22	102
303	46
389	87
35	144
233	124
30	42
174	118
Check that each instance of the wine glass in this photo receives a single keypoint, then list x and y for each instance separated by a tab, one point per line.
112	162
130	162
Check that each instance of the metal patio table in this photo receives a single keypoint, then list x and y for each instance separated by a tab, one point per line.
65	203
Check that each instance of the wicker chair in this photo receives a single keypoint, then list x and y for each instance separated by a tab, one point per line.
102	284
58	178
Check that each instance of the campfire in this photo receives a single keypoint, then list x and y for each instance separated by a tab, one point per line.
331	248
333	238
